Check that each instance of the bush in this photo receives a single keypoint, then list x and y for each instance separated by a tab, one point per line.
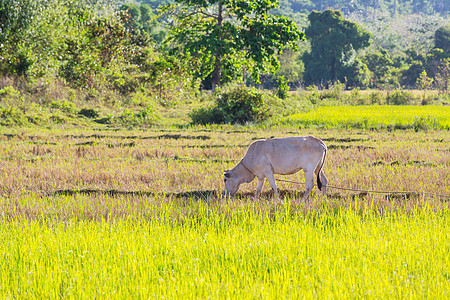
399	97
64	106
236	105
145	116
282	89
9	91
11	116
424	123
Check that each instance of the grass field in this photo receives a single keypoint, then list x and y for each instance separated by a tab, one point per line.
140	214
372	117
273	253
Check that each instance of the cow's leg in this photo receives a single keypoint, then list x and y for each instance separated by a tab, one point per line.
272	183
259	186
309	182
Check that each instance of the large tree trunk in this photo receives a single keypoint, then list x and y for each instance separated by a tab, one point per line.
217	72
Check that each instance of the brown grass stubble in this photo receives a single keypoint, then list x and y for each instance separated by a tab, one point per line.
117	175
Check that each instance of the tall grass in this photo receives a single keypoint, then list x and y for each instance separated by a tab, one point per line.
244	254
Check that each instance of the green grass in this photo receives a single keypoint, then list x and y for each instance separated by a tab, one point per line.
242	254
372	116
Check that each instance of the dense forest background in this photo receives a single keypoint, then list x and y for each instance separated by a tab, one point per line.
119	54
407	38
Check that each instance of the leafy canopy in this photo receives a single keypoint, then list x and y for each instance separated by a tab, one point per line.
224	37
334	42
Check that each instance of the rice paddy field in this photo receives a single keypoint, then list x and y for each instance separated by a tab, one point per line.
373	117
116	213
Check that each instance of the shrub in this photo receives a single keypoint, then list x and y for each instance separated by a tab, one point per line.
424	123
64	106
145	116
335	92
9	91
11	116
399	97
207	115
376	98
282	89
236	105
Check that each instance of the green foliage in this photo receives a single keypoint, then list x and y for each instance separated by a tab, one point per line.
334	41
104	44
142	18
16	17
9	91
58	57
380	64
442	38
12	116
335	92
234	105
424	123
282	89
443	75
424	82
70	40
231	37
63	105
144	116
399	97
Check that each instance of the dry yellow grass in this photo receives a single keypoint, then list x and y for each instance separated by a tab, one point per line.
42	171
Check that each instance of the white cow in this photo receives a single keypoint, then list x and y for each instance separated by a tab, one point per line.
264	158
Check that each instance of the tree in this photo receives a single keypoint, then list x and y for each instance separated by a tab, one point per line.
334	42
442	38
143	19
443	76
226	37
380	64
135	14
15	19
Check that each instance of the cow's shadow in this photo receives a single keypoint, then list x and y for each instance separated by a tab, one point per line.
196	195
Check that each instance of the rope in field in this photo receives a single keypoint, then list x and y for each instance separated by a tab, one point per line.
370	191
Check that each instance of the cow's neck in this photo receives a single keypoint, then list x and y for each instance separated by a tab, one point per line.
245	167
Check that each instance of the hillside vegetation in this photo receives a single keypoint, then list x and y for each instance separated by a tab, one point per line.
72	62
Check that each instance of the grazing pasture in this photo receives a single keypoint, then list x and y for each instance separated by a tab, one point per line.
141	214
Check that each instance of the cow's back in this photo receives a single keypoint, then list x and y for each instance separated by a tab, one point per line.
285	155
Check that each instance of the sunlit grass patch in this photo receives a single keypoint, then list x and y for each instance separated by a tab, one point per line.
373	116
240	253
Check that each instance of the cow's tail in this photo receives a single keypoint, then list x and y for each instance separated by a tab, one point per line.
322	162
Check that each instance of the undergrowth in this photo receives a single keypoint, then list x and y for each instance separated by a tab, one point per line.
52	103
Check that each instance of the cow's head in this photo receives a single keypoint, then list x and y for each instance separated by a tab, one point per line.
232	182
234	178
